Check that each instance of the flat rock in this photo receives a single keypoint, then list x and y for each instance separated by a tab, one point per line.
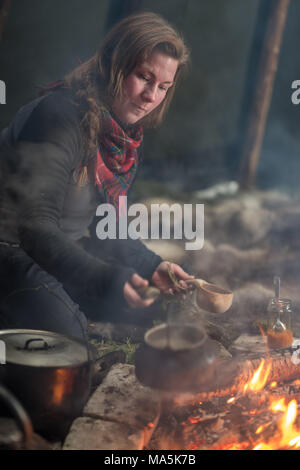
248	345
122	399
252	345
96	434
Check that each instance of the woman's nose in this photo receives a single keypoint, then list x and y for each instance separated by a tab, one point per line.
150	94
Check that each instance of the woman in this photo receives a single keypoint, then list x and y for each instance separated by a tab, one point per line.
64	154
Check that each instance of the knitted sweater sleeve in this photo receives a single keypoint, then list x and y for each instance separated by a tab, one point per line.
46	155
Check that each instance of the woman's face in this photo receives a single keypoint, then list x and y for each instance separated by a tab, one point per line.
145	88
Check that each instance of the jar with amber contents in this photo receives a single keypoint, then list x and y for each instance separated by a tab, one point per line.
279	331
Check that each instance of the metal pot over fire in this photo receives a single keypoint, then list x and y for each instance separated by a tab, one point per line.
177	358
51	376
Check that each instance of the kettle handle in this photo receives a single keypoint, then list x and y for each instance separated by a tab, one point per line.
18	412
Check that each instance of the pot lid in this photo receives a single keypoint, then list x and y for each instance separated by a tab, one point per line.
38	348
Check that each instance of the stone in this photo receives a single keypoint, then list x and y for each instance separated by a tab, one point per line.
122	399
96	434
249	344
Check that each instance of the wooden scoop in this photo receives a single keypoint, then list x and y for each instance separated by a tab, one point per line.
210	297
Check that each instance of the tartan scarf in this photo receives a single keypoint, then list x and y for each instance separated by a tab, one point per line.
117	158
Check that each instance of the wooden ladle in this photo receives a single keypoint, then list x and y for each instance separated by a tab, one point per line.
210	297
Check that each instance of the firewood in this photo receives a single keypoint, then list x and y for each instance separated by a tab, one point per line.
231	376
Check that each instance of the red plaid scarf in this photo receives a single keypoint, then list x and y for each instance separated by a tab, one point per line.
117	158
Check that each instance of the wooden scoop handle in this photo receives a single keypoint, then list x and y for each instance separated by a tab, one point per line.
208	286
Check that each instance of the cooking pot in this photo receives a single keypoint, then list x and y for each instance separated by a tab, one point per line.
176	358
50	374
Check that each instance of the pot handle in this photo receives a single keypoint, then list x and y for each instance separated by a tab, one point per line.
44	347
18	412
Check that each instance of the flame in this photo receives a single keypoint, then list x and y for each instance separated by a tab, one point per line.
231	400
281	424
289	436
259	378
261	428
278	405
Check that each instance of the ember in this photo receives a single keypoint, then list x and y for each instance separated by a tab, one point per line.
261	415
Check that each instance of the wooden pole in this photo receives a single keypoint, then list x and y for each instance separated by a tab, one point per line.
262	97
4	9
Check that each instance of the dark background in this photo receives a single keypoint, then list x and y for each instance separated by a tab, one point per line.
199	143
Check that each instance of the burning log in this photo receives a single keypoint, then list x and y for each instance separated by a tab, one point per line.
231	376
259	416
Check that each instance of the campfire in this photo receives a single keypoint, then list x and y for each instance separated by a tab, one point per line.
257	414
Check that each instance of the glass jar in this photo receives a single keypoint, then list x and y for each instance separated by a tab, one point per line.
279	331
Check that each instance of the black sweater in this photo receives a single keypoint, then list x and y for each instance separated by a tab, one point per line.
43	210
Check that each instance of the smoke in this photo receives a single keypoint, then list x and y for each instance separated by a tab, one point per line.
279	164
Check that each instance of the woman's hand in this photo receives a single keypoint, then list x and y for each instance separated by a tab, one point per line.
161	277
131	292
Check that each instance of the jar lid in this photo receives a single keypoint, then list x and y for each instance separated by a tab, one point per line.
280	302
38	348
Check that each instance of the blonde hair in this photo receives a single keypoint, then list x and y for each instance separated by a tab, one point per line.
100	79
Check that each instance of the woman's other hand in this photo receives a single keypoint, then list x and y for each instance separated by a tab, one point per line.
131	292
161	277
